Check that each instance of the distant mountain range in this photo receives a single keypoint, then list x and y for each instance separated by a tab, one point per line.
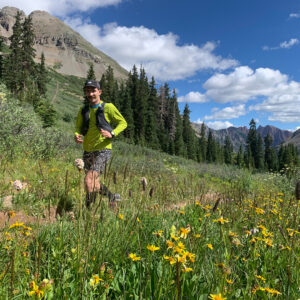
238	135
63	47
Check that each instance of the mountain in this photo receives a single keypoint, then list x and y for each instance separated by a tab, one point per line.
65	49
238	135
294	139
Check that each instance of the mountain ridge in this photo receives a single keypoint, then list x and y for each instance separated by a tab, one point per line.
238	135
64	49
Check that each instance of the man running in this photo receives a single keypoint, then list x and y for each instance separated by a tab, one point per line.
94	130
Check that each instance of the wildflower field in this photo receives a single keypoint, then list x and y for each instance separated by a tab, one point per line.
186	231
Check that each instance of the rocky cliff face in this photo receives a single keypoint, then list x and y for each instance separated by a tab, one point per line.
63	47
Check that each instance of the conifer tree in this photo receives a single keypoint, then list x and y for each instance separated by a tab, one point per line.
91	73
202	144
42	76
188	134
240	157
28	53
259	158
151	126
251	146
13	62
271	161
228	151
211	151
127	112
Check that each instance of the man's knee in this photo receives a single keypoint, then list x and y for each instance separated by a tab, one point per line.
92	181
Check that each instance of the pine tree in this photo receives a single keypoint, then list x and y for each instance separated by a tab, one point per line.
202	144
228	151
240	157
13	62
251	146
259	158
188	134
151	127
127	113
42	77
28	70
211	151
271	161
91	73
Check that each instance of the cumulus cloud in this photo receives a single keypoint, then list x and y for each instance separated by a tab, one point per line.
60	8
244	84
195	97
160	54
219	125
280	96
283	45
230	112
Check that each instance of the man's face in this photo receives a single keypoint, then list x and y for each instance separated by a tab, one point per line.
93	94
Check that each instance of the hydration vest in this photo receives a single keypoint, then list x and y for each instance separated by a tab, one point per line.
101	122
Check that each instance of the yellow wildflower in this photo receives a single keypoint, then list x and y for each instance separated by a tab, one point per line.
11	214
259	211
159	233
196	236
170	244
137	218
170	259
221	221
229	281
184	270
174	237
260	277
95	280
121	217
152	248
184	232
210	246
17	224
134	257
216	297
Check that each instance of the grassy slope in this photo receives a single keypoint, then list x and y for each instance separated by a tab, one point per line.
65	93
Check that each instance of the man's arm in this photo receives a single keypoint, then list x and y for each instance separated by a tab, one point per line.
116	118
77	135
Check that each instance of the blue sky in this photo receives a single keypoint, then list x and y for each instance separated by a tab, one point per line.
229	60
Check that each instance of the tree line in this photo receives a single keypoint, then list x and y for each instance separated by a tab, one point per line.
23	77
154	120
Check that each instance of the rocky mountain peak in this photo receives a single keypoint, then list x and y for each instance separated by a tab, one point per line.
64	48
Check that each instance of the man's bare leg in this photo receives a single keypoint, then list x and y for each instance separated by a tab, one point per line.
92	186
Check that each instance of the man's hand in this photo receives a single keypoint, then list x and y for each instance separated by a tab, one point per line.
106	133
78	138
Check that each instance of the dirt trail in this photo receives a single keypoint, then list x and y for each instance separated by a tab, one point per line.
22	217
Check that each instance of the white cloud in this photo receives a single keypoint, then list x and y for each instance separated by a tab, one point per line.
294	15
60	8
280	96
244	84
283	45
289	44
219	125
195	97
160	55
232	112
198	121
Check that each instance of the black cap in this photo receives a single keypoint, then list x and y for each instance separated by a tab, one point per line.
92	83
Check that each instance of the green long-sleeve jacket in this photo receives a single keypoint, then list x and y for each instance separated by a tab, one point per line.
93	140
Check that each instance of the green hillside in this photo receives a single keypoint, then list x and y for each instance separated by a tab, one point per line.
65	93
